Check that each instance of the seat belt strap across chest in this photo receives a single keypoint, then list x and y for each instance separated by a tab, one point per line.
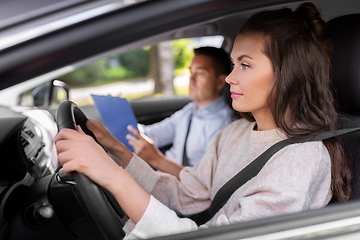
251	170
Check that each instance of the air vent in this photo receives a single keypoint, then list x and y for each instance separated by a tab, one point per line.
24	142
29	133
26	135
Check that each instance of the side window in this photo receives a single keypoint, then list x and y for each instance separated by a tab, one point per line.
148	71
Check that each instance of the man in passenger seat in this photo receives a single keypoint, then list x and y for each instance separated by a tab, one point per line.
191	129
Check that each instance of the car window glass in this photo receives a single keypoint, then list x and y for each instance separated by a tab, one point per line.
148	71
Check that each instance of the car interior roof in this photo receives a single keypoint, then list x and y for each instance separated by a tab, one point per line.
226	26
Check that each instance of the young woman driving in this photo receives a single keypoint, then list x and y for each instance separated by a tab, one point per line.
280	84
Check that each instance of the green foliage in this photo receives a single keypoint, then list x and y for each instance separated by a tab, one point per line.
117	73
183	53
136	62
86	75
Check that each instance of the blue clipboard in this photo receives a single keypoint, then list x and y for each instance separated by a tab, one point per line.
117	114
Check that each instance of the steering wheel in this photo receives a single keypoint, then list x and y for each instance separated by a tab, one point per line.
68	116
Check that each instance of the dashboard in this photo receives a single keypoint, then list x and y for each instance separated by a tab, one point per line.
32	142
26	146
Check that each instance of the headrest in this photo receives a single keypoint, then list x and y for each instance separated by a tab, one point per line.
344	32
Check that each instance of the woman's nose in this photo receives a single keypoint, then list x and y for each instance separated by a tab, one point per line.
230	79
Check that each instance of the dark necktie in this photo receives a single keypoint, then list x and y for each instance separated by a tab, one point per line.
185	158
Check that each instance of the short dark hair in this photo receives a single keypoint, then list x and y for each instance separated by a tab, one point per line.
222	63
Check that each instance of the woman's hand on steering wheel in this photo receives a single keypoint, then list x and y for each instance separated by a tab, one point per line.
79	152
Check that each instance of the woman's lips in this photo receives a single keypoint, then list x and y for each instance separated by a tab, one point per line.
235	95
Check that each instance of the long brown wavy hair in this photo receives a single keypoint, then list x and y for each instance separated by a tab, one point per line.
301	101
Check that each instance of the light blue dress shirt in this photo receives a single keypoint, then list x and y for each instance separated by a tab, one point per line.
207	121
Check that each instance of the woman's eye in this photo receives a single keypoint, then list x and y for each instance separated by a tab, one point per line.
244	66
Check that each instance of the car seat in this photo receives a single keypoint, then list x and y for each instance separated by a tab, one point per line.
344	33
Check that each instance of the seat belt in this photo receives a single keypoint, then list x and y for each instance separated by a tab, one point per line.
251	170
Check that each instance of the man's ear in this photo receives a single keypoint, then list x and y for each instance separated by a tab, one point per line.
221	82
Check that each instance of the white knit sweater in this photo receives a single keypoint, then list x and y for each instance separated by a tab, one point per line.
296	178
